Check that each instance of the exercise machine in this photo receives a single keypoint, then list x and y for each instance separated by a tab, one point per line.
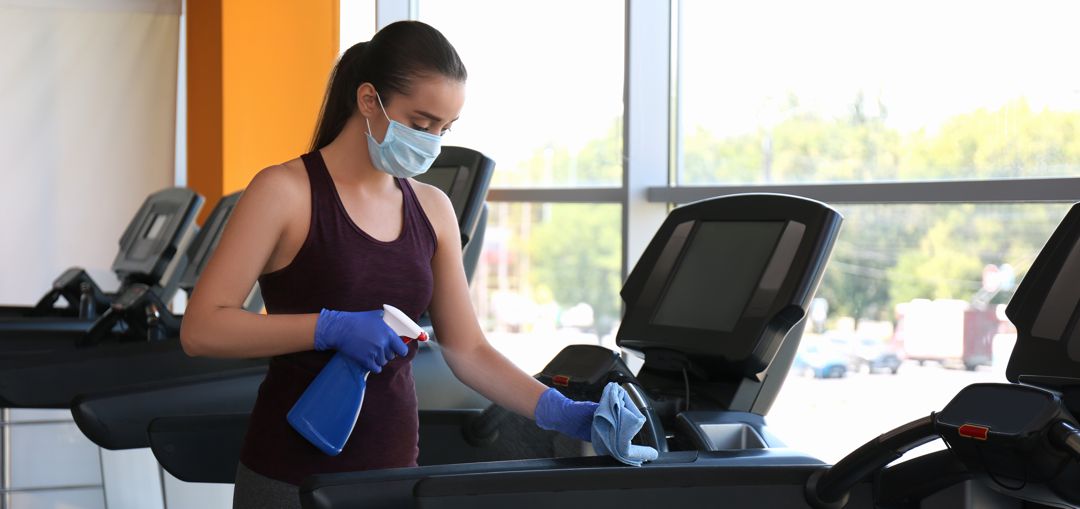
211	410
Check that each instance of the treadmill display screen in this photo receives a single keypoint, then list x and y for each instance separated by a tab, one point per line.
156	225
717	274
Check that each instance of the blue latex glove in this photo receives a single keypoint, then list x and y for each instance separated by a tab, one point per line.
363	336
559	413
617	421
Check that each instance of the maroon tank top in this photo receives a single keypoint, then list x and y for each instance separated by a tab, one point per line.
343	268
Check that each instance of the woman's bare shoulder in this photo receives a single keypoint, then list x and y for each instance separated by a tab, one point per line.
437	207
285	180
433	199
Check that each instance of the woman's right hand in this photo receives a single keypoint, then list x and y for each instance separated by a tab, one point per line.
363	336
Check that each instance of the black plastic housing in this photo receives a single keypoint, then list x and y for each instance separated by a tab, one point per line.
581	372
779	300
464	175
1002	433
154	238
207	239
1044	310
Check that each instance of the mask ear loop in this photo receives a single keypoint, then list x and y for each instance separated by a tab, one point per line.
381	107
379	98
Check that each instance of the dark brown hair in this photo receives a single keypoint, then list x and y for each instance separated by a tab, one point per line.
396	55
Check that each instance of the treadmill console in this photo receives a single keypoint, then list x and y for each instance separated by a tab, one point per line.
581	372
207	240
449	178
1046	312
155	238
463	174
724	280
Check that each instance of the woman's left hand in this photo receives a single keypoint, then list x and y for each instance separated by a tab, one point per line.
559	413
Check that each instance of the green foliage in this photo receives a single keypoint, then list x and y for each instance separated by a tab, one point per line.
885	254
573	252
1012	141
577	257
599	162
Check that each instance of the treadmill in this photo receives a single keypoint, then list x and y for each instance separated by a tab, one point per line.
1011	444
151	255
135	340
192	448
213	409
715	306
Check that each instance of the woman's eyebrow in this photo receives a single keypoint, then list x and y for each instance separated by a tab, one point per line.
433	118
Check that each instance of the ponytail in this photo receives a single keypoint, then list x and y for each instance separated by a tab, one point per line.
390	61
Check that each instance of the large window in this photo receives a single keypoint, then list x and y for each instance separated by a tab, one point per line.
911	311
844	90
544	100
850	102
357	22
545	87
549	276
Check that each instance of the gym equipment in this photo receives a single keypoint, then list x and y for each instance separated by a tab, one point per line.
200	422
151	259
1018	439
714	306
135	340
1008	443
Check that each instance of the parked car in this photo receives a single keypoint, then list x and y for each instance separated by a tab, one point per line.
821	358
874	354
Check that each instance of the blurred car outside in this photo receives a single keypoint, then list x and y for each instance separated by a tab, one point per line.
822	357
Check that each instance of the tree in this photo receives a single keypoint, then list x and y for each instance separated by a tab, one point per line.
884	255
577	256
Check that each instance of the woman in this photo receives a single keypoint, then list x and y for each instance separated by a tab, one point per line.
334	235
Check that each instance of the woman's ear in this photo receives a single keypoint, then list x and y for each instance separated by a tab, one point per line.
366	100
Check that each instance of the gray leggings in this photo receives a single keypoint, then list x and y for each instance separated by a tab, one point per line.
254	491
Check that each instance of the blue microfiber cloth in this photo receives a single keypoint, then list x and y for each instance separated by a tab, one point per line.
615	423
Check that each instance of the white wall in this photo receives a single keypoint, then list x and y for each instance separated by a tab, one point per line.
87	130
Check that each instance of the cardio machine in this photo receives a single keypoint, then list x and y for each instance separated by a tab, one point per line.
1010	445
201	421
205	448
136	339
151	254
715	307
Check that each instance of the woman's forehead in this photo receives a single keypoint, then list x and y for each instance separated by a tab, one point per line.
438	95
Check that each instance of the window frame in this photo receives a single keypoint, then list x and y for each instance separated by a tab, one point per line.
651	86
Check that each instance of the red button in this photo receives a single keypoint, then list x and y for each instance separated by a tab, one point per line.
561	380
973	431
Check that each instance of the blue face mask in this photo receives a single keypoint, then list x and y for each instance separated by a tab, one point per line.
404	152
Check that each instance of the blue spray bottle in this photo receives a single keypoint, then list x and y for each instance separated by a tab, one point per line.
326	413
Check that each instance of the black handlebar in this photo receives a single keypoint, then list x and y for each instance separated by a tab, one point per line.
1067	437
652	432
829	488
483	430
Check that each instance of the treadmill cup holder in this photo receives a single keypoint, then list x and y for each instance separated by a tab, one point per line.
732	436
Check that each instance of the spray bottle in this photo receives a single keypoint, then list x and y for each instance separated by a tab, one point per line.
326	413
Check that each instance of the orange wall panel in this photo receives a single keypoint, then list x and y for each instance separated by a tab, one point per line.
277	57
204	126
257	72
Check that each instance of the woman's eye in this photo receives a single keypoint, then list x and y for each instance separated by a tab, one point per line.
420	128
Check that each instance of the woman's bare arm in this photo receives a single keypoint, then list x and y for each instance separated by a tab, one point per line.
471	358
215	323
